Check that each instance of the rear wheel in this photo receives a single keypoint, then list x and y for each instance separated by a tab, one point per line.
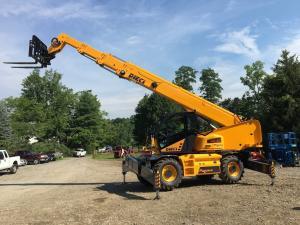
232	169
170	172
35	162
13	169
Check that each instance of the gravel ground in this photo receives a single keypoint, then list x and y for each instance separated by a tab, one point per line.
86	191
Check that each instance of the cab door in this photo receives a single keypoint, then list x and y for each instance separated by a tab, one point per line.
178	132
3	161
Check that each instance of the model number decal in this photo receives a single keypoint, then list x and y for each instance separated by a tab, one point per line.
172	149
136	78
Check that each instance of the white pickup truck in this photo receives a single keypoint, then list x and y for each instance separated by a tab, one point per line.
10	164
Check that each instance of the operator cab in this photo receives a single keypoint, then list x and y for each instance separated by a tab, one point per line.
177	132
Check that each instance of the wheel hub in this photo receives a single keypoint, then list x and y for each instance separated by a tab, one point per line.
169	173
234	169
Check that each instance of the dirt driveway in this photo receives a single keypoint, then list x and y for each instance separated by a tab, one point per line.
86	191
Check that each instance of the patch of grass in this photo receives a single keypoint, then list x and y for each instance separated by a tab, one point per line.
105	156
110	156
61	158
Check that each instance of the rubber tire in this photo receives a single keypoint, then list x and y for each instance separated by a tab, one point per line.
35	162
169	186
13	169
224	175
143	181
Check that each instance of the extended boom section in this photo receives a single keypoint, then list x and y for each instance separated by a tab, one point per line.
129	71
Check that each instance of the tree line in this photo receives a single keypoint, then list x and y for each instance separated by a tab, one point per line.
58	118
63	119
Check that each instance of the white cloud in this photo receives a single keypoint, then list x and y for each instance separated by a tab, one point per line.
180	26
123	103
271	23
273	51
239	42
68	10
132	40
230	74
11	79
294	45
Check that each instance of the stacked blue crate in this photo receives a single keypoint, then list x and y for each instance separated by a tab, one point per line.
283	148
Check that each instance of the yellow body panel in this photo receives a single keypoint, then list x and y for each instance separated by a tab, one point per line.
200	164
235	138
176	147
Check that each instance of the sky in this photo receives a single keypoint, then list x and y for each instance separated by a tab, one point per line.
158	35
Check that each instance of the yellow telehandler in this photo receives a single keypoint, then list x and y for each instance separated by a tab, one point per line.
180	147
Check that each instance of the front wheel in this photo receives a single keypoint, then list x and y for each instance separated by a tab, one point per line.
232	169
35	162
170	172
13	169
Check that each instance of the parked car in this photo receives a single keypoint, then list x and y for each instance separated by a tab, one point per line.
120	152
104	149
44	158
31	157
54	155
59	155
7	163
51	156
109	148
101	150
23	162
80	152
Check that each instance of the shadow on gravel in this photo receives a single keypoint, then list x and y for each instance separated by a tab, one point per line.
124	189
127	190
4	173
296	208
114	188
192	182
251	184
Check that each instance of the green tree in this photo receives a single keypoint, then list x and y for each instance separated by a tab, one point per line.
210	87
242	107
254	80
5	128
123	131
281	95
185	77
85	125
44	108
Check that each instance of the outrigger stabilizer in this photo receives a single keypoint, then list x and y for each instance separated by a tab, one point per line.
39	52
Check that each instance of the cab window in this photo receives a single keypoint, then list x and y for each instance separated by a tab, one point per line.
1	155
171	130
